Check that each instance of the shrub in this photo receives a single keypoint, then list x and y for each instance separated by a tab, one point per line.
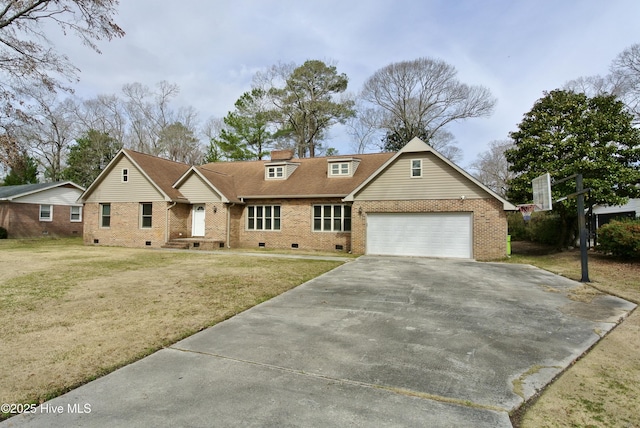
546	228
620	238
3	233
517	227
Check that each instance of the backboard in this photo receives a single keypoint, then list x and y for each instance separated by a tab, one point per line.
542	192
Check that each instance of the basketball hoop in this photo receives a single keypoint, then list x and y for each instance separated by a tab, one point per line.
526	210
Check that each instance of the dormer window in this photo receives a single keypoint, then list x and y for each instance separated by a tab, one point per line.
274	172
280	170
340	168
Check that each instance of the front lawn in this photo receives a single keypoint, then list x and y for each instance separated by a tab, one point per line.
70	313
603	388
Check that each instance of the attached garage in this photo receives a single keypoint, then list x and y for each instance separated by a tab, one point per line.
445	234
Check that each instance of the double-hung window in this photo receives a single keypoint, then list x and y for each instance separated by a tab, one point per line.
76	214
146	210
416	168
332	218
46	213
263	217
105	215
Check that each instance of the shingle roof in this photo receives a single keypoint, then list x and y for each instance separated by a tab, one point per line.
163	172
246	179
10	192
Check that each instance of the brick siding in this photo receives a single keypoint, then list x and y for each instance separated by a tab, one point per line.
296	219
125	230
23	221
489	221
489	224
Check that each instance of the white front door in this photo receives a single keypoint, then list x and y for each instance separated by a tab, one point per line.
197	223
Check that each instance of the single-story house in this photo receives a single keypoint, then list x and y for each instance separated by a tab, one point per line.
603	214
414	202
43	209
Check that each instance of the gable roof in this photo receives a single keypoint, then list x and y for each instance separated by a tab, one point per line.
223	183
236	181
8	193
416	145
161	173
240	180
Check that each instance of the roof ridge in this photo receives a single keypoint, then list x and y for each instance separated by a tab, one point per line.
211	170
153	156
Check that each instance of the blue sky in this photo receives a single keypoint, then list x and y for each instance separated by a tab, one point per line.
212	49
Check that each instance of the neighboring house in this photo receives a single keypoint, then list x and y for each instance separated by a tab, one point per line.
413	202
44	209
603	214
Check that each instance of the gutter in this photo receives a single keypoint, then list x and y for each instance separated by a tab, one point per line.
342	195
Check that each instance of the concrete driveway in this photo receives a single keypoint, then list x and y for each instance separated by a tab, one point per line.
380	341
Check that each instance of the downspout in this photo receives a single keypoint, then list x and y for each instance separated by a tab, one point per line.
166	226
229	224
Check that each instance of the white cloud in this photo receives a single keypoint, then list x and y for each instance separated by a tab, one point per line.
212	50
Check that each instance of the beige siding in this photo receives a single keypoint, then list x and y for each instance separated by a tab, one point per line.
136	189
197	191
438	181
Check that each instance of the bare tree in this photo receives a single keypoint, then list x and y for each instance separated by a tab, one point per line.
491	167
623	81
49	132
445	143
363	128
179	144
149	113
105	114
420	97
625	71
28	60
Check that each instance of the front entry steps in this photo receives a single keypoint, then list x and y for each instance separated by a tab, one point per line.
194	244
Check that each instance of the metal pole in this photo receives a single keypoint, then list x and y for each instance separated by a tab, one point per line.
584	258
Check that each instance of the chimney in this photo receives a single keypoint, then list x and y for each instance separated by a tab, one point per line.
281	155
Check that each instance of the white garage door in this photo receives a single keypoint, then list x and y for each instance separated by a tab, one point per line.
420	234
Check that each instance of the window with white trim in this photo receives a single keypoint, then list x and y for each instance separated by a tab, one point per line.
76	214
263	217
275	172
146	211
105	215
340	168
125	175
332	218
46	213
416	168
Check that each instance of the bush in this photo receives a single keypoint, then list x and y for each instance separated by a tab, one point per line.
620	238
544	228
517	227
3	233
